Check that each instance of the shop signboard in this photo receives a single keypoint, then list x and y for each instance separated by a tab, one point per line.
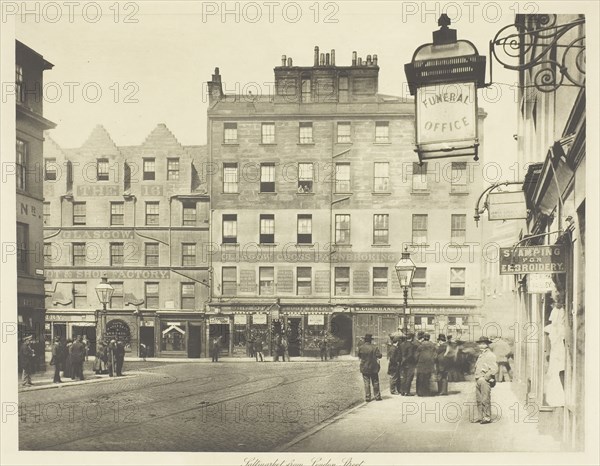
533	260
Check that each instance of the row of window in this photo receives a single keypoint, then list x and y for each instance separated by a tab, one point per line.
304	281
305	132
151	295
82	254
342	177
117	213
381	228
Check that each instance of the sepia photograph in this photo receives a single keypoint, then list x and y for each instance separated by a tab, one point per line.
298	233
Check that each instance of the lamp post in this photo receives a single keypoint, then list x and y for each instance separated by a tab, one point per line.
405	269
104	291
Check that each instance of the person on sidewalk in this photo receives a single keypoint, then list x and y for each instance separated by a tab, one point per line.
258	349
98	362
426	354
143	351
111	363
286	349
442	364
323	349
119	357
251	346
369	356
77	351
27	359
86	343
407	364
57	357
485	371
66	364
501	348
394	359
216	347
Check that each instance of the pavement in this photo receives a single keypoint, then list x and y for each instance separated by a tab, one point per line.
430	424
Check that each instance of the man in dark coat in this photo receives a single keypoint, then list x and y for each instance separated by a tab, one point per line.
77	351
394	359
369	355
426	355
216	347
442	364
27	359
119	357
112	357
57	358
258	349
407	364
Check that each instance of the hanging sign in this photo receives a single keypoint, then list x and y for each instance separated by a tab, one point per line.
446	120
533	260
506	206
539	283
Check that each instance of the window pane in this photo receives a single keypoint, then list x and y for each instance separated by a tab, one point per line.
382	131
173	169
342	177
268	133
419	177
343	132
342	229
306	133
459	177
230	178
381	181
230	133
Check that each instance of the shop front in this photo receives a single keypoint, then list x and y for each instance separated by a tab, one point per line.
175	335
69	325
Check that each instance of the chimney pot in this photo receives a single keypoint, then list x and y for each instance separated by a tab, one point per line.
368	59
322	59
290	61
359	62
375	60
327	59
354	59
332	57
316	55
283	58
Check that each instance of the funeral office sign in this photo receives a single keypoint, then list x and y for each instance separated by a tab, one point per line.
532	259
446	117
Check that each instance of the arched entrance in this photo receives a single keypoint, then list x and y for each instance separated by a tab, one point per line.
341	327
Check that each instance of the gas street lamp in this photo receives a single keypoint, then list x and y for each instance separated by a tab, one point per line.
405	269
104	291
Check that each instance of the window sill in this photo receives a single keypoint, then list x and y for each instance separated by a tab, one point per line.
381	245
387	143
230	144
381	193
341	193
306	143
306	194
466	193
348	143
224	245
267	143
271	245
419	245
223	192
343	245
421	193
305	245
268	192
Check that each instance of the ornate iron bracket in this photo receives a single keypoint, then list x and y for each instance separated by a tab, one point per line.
535	46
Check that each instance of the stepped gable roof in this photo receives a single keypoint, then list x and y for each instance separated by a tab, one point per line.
51	148
162	138
99	143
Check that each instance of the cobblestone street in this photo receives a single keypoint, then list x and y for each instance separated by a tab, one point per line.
190	407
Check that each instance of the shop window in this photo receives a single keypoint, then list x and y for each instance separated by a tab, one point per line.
173	169
342	229
267	177
267	229
381	229
151	292
230	133
457	281
149	169
419	177
172	336
381	177
268	133
380	281
424	322
304	228
304	281
266	280
305	178
188	296
229	281
342	281
79	216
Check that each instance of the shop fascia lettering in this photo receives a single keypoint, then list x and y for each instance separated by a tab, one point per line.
97	234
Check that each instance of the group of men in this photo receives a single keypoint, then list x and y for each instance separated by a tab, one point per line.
409	356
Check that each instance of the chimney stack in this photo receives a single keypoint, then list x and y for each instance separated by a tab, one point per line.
322	59
316	55
359	62
332	57
354	62
215	88
283	59
369	60
290	63
375	60
327	59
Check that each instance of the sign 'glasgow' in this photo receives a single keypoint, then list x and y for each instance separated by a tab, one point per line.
445	76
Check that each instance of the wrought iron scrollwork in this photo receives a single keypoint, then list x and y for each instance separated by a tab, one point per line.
536	46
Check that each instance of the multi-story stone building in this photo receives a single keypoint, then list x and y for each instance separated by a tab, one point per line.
315	192
139	216
30	126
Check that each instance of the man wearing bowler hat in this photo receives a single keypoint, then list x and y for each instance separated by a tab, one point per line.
485	370
369	356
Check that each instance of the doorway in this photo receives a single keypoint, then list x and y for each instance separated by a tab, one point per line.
341	327
194	341
294	332
219	330
147	338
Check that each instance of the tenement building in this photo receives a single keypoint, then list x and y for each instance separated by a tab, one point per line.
139	216
30	127
315	192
